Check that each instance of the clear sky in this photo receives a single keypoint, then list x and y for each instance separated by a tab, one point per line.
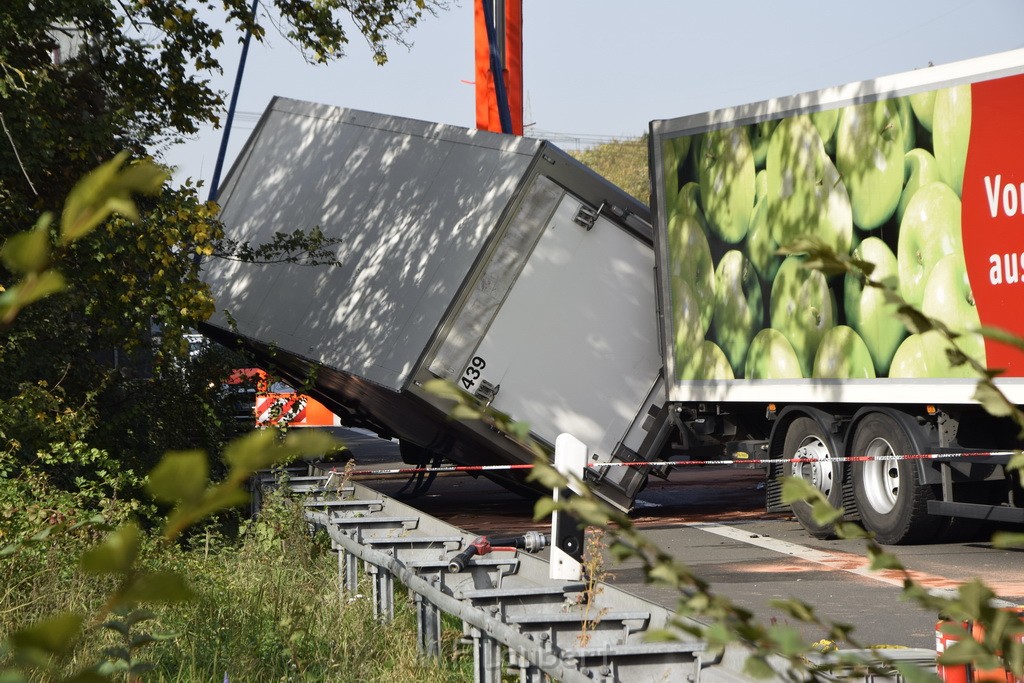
600	69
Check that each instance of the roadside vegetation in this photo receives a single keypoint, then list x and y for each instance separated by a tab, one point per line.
623	162
264	606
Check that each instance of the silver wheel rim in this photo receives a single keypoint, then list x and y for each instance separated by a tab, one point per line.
820	473
881	477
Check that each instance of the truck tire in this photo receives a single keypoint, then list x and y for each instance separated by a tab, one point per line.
892	501
806	439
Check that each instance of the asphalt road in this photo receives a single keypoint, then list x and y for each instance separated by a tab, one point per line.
713	519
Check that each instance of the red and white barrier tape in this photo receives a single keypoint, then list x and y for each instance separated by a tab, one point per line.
677	463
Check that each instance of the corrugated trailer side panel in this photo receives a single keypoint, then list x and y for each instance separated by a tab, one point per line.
393	191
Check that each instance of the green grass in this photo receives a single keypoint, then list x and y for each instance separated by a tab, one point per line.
266	608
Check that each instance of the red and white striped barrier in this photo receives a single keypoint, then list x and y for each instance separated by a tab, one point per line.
684	463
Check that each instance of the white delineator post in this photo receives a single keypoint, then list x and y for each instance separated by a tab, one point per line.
566	540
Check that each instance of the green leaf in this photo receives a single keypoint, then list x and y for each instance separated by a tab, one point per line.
262	449
787	640
1008	539
795	608
660	635
54	636
140	668
12	676
252	451
32	288
718	635
914	320
442	388
974	598
588	511
220	498
965	651
882	560
796	489
664	573
622	551
851	531
547	476
1002	336
464	412
27	252
118	653
104	191
142	177
520	430
138	616
157	587
992	400
117	625
912	673
115	555
143	639
179	476
823	513
543	508
307	443
756	666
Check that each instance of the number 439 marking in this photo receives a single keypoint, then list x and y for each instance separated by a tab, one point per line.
472	373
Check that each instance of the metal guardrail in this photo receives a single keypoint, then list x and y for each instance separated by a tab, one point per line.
517	618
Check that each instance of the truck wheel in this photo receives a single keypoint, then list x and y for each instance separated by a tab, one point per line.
893	502
806	439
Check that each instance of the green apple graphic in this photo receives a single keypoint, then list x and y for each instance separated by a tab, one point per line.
801	308
920	169
739	307
923	104
689	333
930	229
760	133
869	155
924	355
806	195
951	132
771	356
688	203
842	354
761	247
826	122
868	310
909	361
907	121
705	362
690	262
725	169
670	167
949	299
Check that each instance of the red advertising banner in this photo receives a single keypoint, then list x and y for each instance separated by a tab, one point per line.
993	215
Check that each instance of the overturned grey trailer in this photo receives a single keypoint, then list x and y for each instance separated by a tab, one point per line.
499	263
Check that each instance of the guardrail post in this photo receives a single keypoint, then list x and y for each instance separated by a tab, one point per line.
566	532
383	592
348	571
486	658
428	627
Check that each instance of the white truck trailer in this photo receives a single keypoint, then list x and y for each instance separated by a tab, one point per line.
920	174
496	262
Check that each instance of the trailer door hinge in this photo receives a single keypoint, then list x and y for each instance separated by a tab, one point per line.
586	216
487	391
